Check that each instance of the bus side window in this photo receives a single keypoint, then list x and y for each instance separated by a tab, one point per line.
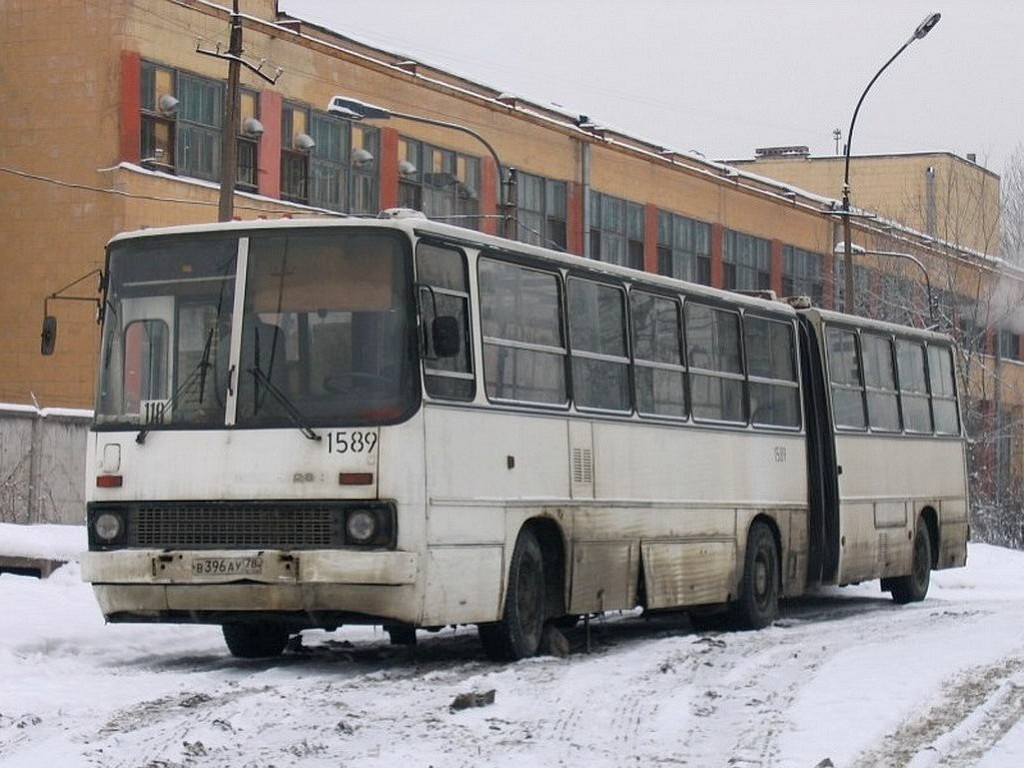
444	308
714	357
943	389
658	369
913	387
771	365
523	344
844	372
597	334
880	382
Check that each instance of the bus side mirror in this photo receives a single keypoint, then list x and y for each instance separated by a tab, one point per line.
444	336
48	338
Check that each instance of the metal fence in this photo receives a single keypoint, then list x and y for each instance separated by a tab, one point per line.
42	464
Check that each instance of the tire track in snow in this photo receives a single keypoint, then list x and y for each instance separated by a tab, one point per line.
975	710
749	681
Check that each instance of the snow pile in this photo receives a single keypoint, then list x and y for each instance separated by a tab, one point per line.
50	542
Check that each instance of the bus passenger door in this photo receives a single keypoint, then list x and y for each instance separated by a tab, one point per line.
822	469
581	459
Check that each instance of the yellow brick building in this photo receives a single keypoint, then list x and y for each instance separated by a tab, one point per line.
946	197
113	118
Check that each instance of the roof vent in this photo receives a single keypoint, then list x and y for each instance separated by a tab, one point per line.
794	151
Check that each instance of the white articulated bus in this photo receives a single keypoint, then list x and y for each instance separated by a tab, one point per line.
305	424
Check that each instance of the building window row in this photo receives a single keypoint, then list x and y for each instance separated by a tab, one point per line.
332	163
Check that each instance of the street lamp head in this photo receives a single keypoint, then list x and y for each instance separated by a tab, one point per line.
840	248
353	109
926	26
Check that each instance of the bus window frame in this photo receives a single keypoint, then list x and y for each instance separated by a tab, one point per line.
467	330
574	355
538	266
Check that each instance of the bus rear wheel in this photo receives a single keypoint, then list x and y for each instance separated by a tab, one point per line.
758	605
913	587
518	634
255	639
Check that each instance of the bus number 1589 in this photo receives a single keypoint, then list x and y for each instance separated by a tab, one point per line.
351	442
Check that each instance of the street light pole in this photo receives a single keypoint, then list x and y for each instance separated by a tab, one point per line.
849	248
923	29
353	109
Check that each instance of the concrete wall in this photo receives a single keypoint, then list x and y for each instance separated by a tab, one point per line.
42	465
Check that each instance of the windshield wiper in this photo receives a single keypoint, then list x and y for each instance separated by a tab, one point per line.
204	364
199	372
290	410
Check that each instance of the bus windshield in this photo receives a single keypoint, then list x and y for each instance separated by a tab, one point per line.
323	333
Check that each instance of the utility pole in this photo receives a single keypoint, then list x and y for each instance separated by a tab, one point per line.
229	146
229	151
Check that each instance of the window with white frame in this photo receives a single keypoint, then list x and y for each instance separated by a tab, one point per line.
616	230
248	141
442	183
296	142
801	274
684	248
328	162
747	262
541	208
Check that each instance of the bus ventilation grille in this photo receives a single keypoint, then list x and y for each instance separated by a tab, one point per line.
582	466
237	526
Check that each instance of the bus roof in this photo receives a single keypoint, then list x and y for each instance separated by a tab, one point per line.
418	226
819	315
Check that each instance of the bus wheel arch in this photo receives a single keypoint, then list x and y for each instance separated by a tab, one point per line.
913	587
534	593
761	579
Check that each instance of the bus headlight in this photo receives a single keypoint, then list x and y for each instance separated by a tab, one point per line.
370	526
107	527
361	526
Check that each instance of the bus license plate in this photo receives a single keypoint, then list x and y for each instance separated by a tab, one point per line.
227	566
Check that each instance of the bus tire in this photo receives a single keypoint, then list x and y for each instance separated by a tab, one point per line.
758	604
255	639
518	634
913	587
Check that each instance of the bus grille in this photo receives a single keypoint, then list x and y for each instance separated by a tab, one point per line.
236	526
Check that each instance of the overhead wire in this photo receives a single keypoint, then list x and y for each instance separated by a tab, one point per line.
138	196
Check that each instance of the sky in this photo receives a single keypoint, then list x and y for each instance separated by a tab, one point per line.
845	676
723	77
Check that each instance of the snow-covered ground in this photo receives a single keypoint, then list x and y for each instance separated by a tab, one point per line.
845	678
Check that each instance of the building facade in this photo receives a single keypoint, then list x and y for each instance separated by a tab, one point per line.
114	120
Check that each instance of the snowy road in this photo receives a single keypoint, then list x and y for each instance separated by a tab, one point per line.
845	678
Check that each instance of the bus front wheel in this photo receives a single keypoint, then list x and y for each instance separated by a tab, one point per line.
758	605
255	639
913	587
517	635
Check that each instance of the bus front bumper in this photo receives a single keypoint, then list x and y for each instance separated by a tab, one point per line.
156	585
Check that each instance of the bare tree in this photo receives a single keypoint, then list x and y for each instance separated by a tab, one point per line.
978	299
1013	208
